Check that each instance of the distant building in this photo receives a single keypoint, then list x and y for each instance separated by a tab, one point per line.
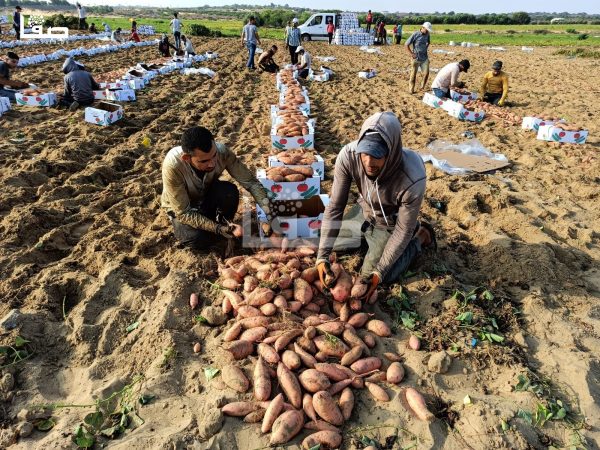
557	20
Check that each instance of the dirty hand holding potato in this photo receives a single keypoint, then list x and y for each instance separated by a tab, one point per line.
372	281
326	275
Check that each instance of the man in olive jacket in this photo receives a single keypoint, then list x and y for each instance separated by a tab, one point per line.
199	205
391	183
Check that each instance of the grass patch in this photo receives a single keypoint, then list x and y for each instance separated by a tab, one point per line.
579	53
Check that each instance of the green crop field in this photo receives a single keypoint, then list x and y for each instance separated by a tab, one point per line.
495	35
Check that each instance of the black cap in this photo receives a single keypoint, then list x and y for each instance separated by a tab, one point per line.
12	55
372	144
497	65
18	7
465	64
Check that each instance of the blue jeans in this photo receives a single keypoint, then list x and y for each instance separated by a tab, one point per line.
177	36
8	93
440	93
251	52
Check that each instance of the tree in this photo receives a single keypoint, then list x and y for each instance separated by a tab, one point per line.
521	18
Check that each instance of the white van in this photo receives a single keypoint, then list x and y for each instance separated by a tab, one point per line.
315	28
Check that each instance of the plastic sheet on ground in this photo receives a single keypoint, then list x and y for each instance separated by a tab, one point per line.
366	48
326	58
437	150
202	71
442	52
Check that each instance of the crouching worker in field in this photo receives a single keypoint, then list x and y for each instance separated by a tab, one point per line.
305	62
494	87
266	62
199	205
79	85
9	63
391	186
447	78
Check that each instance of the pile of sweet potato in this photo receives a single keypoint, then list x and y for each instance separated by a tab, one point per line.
312	346
297	157
287	76
495	111
291	123
566	127
293	96
296	174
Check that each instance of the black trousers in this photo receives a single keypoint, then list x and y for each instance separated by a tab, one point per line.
293	54
271	67
221	195
492	98
330	36
17	31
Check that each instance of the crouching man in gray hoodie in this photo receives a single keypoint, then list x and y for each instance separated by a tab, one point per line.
391	184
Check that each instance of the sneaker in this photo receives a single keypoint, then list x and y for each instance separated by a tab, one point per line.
74	106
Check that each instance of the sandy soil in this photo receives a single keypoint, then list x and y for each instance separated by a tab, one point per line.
85	252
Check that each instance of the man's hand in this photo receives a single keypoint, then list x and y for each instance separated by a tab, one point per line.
237	230
372	281
501	103
326	275
230	231
266	229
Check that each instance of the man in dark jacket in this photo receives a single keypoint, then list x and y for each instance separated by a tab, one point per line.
79	85
17	21
391	184
10	63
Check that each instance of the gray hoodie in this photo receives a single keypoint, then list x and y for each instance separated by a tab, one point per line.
392	201
79	84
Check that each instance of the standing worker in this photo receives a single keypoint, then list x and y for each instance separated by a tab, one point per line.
369	21
447	78
134	34
382	32
82	16
330	30
398	33
293	41
176	27
17	21
494	87
391	184
420	45
250	39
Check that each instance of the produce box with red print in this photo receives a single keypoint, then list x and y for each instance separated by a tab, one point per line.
462	97
556	134
302	95
120	95
103	113
318	165
296	218
290	190
115	85
100	95
432	100
47	99
306	141
457	110
134	83
534	123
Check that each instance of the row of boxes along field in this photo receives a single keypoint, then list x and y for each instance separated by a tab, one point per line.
548	129
295	170
124	89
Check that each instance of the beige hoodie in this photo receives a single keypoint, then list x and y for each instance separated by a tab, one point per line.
392	201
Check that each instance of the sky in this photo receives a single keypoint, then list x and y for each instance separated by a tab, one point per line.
468	6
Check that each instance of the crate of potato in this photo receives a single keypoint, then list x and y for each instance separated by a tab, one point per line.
294	97
299	158
561	132
285	77
315	348
285	183
35	97
497	112
292	129
533	123
295	218
462	95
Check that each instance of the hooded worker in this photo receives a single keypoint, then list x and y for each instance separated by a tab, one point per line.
79	85
391	186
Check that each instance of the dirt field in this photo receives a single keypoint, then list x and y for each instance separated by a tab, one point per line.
85	251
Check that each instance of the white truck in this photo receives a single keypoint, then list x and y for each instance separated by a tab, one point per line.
315	28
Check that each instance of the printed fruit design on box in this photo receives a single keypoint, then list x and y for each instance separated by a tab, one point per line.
466	115
577	137
37	101
307	193
276	188
438	103
314	224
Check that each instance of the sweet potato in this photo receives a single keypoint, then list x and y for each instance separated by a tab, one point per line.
310	332
339	386
333	371
346	403
417	404
307	344
377	377
226	306
234	378
414	342
321	357
262	380
311	308
312	321
259	296
285	281
268	353
355	304
245	311
280	302
377	392
335	328
253	322
326	439
239	409
395	373
234	260
320	425
194	300
307	406
314	381
290	385
345	312
233	298
310	275
331	347
286	426
353	339
294	306
327	409
369	340
256	334
269	309
302	291
255	416
343	285
291	360
393	357
239	349
272	412
233	332
351	356
359	289
366	365
358	320
286	338
307	359
229	273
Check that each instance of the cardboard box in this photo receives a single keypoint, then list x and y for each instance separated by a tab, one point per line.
133	74
433	101
366	74
48	99
462	98
4	104
318	166
134	83
462	113
287	143
290	190
103	113
534	123
120	95
554	134
100	95
289	224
